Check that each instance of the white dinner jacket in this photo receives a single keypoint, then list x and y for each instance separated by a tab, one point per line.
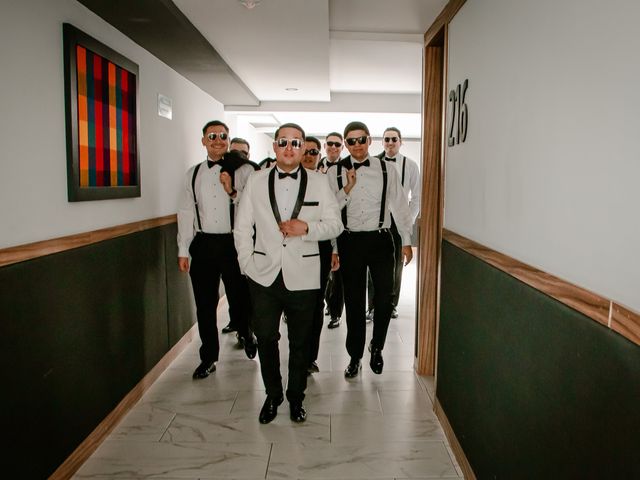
297	257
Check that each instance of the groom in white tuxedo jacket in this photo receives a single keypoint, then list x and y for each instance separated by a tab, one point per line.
291	210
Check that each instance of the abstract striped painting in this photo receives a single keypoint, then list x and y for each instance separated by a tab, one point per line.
106	99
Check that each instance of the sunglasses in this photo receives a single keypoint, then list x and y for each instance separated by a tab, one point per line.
295	143
312	151
390	139
352	141
334	144
222	136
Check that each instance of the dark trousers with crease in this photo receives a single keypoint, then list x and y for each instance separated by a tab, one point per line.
360	251
334	294
397	275
214	257
326	250
299	307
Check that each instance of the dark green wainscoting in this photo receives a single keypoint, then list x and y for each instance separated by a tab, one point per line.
78	330
532	388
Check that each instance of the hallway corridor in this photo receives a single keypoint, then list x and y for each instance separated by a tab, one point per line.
373	426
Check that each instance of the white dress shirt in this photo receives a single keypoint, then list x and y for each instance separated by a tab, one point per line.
364	200
286	190
412	185
213	203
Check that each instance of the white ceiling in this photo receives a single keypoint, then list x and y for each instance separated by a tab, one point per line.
348	59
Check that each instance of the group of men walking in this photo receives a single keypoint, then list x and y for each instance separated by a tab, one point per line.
290	234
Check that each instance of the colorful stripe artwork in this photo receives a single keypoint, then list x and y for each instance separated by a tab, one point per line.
106	122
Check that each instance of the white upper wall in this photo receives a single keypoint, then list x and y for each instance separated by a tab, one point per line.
33	172
549	171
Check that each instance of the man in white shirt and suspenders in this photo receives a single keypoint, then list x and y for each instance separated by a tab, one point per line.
368	193
205	224
412	185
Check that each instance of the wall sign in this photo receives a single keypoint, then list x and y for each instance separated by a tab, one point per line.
459	114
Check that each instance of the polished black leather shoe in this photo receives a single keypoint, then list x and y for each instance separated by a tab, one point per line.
251	347
394	313
326	311
352	369
313	368
269	409
229	328
377	362
297	413
204	369
334	322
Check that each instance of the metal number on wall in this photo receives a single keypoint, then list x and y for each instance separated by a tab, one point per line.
459	114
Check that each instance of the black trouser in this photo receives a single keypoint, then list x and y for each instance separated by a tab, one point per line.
299	307
360	251
397	279
326	250
214	256
334	295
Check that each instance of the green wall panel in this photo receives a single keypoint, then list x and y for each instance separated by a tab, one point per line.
532	388
79	330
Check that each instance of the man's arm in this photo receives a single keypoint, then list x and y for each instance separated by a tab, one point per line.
243	229
330	224
186	218
399	207
415	185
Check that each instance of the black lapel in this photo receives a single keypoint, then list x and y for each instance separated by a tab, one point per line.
272	196
301	193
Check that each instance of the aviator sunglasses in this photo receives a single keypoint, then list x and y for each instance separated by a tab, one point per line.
295	143
222	136
334	144
312	151
390	139
352	141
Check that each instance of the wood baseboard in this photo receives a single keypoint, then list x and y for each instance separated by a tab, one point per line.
453	441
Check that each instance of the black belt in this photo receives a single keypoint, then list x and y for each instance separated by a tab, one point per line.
379	230
213	235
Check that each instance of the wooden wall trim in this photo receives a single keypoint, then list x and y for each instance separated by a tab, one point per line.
447	13
30	251
464	464
80	455
621	319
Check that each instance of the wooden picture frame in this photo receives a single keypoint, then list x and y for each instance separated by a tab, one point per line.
102	120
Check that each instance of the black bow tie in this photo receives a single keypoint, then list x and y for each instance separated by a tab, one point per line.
390	159
293	175
357	165
211	163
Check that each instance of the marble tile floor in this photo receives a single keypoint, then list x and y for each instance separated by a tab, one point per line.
370	427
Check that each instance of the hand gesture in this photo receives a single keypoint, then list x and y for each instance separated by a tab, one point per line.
351	180
294	228
225	180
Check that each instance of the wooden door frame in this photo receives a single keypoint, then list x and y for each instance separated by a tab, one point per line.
433	170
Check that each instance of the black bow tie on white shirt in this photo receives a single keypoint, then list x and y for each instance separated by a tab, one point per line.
390	159
293	175
361	164
210	163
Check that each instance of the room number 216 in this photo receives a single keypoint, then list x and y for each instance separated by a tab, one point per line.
459	114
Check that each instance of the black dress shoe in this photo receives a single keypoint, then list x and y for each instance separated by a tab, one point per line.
326	311
204	369
352	369
229	328
313	368
251	347
334	322
269	409
377	362
297	413
394	313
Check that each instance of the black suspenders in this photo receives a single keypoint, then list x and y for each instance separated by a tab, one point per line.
193	190
404	164
195	200
383	202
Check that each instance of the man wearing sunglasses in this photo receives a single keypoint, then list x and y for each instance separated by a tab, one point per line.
333	149
412	185
205	223
290	210
368	193
329	261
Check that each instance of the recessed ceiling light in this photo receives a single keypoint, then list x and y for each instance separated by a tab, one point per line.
291	89
250	4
